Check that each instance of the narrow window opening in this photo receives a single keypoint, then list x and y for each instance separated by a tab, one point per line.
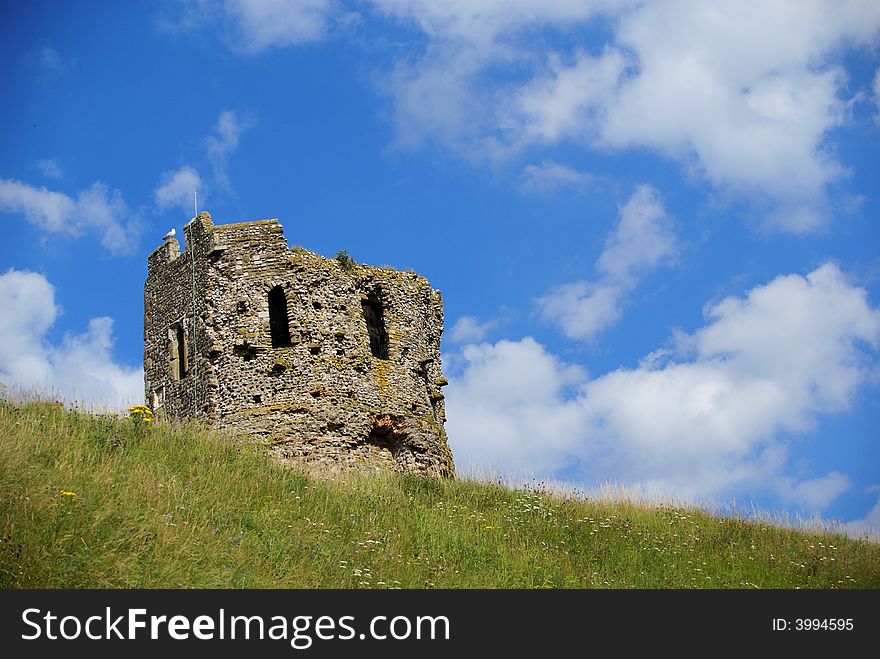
278	323
158	398
375	326
177	351
181	349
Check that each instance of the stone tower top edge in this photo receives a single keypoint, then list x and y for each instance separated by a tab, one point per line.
204	237
201	230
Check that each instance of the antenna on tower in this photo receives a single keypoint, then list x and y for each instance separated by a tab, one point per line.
195	203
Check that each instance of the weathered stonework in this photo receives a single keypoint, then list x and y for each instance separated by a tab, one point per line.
333	365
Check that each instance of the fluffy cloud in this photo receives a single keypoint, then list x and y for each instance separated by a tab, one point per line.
468	329
869	526
81	368
265	23
252	26
49	59
817	493
744	94
483	22
877	95
641	241
565	101
447	94
50	167
224	142
550	176
581	309
94	210
711	423
177	188
754	121
507	410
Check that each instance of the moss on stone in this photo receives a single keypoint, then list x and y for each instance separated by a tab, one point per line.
381	370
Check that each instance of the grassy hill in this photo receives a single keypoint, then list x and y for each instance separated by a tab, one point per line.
90	501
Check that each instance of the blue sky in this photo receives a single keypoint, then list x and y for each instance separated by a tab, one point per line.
654	224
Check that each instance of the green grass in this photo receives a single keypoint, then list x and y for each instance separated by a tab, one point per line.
170	506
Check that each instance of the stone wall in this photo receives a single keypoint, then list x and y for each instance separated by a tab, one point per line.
320	392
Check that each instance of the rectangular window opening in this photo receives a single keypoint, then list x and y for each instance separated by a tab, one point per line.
279	325
373	315
177	351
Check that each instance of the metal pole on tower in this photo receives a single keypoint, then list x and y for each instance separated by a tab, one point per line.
192	261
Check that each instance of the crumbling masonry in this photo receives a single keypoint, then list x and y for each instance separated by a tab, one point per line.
332	362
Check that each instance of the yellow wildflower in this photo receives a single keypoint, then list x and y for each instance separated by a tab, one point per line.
140	413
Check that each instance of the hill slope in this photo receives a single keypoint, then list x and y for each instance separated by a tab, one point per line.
91	501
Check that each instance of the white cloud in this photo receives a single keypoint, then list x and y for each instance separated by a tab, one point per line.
81	368
744	94
177	188
674	76
252	26
751	122
817	493
506	409
50	60
223	143
877	95
430	100
581	309
265	23
550	176
485	22
868	526
469	329
50	167
228	131
446	94
94	210
642	240
566	101
714	423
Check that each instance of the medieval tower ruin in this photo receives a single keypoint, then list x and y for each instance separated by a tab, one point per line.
332	362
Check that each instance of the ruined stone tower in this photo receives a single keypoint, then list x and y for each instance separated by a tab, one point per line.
333	362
